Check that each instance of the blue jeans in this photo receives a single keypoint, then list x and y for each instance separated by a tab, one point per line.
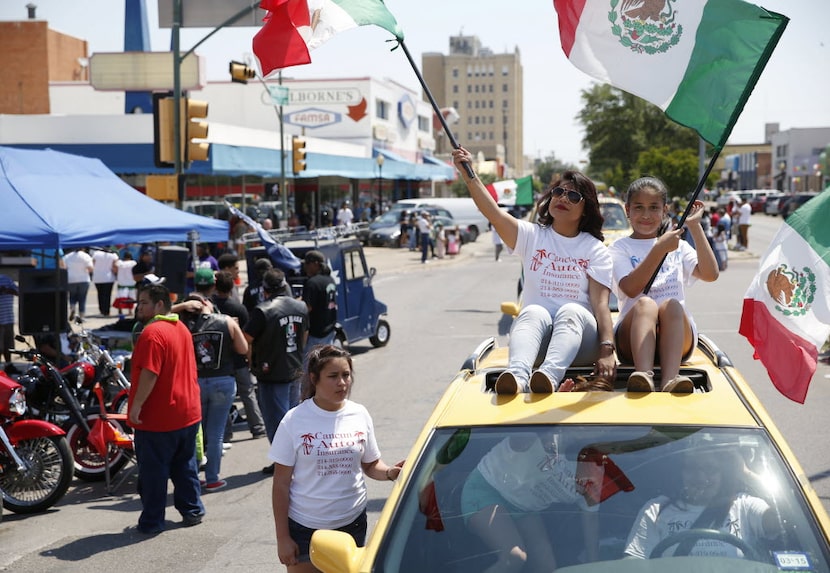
424	246
162	456
77	295
568	338
218	393
314	341
274	401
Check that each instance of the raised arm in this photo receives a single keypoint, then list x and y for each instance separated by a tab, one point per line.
503	223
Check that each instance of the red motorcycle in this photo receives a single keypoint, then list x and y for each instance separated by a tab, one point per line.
35	459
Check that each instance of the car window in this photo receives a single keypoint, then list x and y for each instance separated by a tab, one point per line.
353	265
561	477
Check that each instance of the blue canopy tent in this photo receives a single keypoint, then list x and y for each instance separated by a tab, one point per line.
51	199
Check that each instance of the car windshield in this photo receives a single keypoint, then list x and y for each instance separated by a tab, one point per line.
389	218
604	498
614	215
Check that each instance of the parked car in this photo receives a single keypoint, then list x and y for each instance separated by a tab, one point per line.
758	202
771	203
598	458
616	223
385	231
793	202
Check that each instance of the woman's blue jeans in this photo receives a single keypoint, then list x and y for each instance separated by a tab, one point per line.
218	393
569	337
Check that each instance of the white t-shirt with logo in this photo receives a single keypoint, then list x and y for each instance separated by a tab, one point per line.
532	479
556	267
326	450
671	282
661	518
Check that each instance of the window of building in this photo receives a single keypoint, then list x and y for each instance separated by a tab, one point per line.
505	70
491	88
504	104
455	89
490	104
469	104
490	70
455	104
504	88
469	71
381	109
469	89
476	104
423	123
455	72
477	118
476	89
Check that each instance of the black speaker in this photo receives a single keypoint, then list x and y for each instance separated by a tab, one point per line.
41	290
171	263
251	256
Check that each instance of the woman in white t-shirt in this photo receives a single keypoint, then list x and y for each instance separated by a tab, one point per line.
711	496
659	320
565	317
321	451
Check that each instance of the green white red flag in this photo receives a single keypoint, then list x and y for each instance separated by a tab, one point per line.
295	27
786	310
697	60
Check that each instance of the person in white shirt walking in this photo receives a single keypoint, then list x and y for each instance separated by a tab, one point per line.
103	275
79	267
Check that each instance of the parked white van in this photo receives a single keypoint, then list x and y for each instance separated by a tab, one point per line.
463	209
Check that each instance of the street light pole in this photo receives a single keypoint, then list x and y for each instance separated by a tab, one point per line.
380	183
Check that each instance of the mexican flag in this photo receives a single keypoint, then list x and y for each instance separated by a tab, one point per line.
697	60
786	311
295	27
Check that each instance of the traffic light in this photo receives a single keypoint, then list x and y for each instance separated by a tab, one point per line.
240	73
194	111
163	133
298	154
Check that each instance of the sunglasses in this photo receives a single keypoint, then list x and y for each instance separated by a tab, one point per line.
572	196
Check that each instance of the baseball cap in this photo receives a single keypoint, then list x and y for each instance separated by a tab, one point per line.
152	279
273	280
314	257
204	277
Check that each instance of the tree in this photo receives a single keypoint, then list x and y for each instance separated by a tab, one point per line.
548	169
677	168
619	127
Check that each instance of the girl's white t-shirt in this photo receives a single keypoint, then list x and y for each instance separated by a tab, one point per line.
532	479
556	267
326	450
124	277
674	276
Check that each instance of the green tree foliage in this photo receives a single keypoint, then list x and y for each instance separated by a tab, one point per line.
676	167
619	127
459	188
547	169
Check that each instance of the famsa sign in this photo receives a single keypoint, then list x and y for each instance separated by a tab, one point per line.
312	117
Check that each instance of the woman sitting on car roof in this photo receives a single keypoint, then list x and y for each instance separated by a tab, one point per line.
567	272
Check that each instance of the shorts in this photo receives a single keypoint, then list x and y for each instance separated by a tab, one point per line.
302	534
478	494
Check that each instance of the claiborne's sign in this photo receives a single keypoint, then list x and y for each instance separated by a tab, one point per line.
324	96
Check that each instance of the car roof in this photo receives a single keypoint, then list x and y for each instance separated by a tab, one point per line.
467	403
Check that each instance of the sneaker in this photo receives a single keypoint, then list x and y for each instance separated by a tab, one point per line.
641	382
679	385
506	384
191	519
226	445
258	435
540	383
202	463
216	486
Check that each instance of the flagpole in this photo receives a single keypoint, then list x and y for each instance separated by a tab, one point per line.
435	107
688	210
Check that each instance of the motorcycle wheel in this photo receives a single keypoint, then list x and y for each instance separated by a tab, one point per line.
89	464
50	462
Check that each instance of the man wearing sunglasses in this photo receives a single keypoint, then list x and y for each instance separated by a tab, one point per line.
565	318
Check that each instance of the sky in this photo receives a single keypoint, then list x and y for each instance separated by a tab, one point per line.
792	91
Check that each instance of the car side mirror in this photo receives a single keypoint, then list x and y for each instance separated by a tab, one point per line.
510	308
334	551
372	272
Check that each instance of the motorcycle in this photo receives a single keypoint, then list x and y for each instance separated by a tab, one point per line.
54	397
35	459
